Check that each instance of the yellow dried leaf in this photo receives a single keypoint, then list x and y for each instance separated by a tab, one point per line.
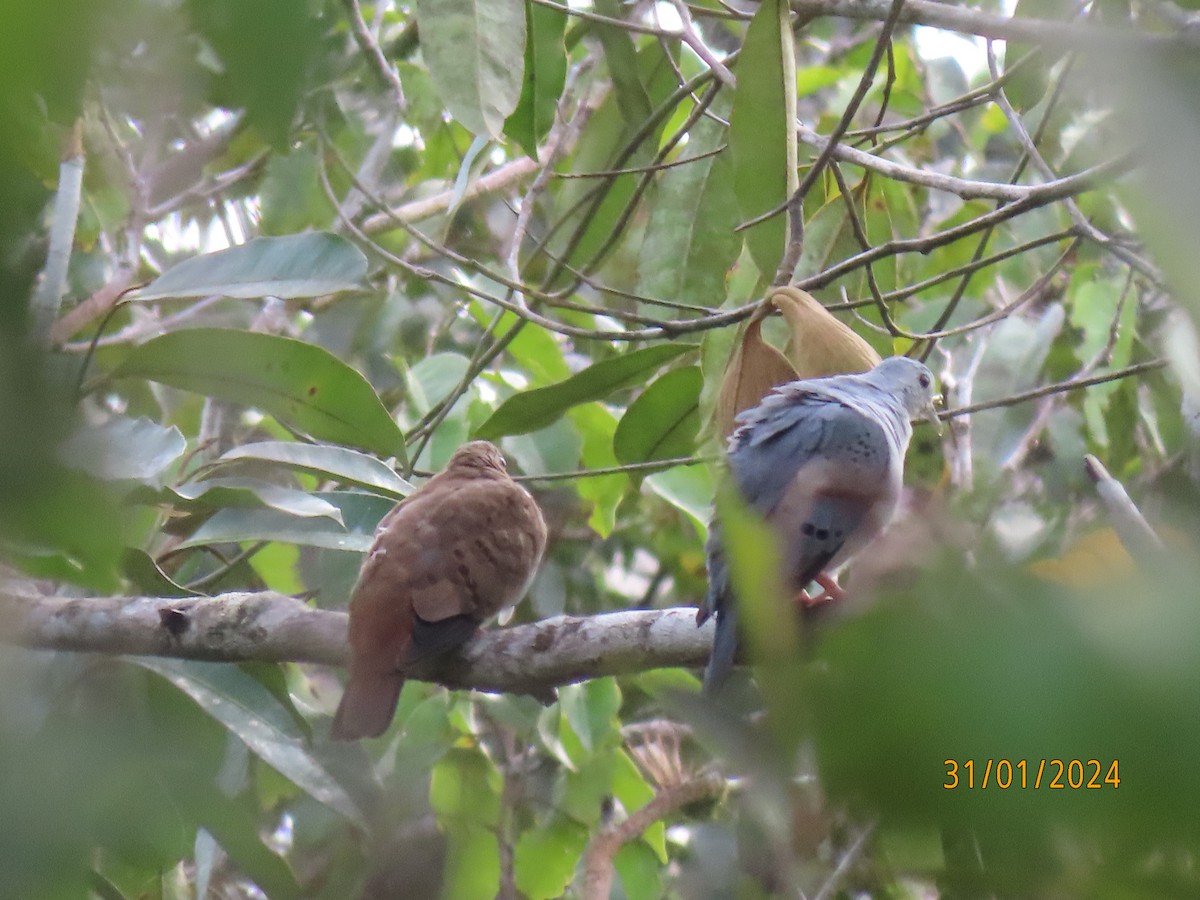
1095	559
754	368
821	344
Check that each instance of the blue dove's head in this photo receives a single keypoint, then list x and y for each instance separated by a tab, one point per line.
908	381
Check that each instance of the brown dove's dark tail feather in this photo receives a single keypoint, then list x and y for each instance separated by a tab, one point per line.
367	706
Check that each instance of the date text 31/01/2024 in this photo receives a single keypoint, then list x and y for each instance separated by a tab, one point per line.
1021	774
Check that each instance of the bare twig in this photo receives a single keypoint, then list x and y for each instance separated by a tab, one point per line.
1128	522
847	859
601	853
47	299
93	307
498	179
1057	388
374	54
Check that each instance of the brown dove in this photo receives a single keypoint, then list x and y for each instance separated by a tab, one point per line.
454	553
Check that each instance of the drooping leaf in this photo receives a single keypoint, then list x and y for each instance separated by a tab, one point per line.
690	242
531	410
247	709
475	52
298	265
545	75
754	367
621	56
304	385
758	136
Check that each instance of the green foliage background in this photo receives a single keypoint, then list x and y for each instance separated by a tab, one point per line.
515	221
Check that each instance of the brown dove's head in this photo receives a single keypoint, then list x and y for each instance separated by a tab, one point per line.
477	455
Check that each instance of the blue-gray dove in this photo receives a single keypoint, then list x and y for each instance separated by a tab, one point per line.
822	461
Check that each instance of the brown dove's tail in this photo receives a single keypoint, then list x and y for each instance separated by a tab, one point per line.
367	705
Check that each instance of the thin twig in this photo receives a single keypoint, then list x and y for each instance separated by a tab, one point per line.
374	54
599	858
1057	388
1136	535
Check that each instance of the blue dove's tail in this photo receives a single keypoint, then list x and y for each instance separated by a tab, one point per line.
720	663
719	603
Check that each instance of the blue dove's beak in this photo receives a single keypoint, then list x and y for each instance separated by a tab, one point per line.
931	412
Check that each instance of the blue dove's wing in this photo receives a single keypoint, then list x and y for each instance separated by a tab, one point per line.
767	452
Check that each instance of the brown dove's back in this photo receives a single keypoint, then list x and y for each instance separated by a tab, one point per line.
456	552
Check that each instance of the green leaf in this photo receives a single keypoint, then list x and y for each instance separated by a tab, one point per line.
768	620
596	427
593	207
233	823
690	243
253	492
662	423
758	137
267	78
247	709
826	231
545	858
622	59
432	379
475	51
123	449
291	195
1026	87
63	525
360	513
464	788
545	75
538	351
689	489
304	385
631	788
472	868
298	265
638	871
531	410
145	575
339	463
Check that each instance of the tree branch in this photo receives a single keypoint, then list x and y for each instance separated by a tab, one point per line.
1040	32
266	626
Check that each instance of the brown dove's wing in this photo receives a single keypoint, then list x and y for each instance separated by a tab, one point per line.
489	540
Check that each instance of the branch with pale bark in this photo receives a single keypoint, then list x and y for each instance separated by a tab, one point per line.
266	626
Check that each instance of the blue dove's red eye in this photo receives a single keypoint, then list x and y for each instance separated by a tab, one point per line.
924	379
